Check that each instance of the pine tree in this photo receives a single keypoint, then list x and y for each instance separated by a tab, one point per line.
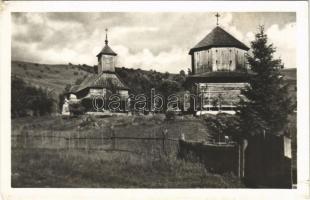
267	103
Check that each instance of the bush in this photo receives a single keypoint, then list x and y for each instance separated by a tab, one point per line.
170	115
76	108
26	98
223	124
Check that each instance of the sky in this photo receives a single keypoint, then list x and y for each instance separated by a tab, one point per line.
159	41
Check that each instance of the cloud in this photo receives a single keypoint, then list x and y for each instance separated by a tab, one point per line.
171	61
285	42
158	41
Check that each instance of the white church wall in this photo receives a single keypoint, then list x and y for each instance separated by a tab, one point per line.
123	93
97	91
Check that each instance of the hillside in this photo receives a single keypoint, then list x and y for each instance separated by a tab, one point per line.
51	77
290	74
56	77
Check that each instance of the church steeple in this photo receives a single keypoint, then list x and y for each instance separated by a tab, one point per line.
106	57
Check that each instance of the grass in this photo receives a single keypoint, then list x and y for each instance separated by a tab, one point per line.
133	126
149	167
48	168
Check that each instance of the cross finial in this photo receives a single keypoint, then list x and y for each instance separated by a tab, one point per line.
217	18
106	36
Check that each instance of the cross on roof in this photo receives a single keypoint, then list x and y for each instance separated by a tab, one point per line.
106	36
217	18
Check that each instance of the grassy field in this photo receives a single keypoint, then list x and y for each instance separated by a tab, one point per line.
43	167
47	168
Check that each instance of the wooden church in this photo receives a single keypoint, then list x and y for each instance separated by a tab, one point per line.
101	84
219	71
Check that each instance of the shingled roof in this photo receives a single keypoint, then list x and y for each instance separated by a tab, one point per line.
218	37
107	51
103	80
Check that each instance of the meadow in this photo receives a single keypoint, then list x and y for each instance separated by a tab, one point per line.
132	164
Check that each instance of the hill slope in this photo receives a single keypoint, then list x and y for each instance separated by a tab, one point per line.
56	77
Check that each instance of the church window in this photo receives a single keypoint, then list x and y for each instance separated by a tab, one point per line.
230	62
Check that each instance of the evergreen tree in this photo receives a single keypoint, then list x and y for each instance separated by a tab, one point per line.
267	103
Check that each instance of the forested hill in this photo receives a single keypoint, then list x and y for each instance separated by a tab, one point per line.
57	77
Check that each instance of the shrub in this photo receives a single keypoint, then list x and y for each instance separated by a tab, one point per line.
223	124
27	98
76	108
170	115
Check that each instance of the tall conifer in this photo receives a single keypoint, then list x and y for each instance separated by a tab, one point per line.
267	103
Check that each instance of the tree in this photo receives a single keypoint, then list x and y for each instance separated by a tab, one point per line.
189	71
166	75
267	103
182	73
167	88
29	98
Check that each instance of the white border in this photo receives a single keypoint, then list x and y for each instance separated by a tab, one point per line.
302	191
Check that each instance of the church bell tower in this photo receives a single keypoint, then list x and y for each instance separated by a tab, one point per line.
106	57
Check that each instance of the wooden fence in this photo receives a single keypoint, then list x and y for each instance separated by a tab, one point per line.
218	158
141	145
262	163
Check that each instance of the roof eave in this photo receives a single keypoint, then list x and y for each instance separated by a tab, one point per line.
110	54
192	50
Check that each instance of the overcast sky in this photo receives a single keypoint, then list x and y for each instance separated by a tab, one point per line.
159	41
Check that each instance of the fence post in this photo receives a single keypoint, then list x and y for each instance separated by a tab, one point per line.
78	139
244	146
239	160
69	141
42	139
58	142
25	139
113	137
164	134
86	143
101	141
